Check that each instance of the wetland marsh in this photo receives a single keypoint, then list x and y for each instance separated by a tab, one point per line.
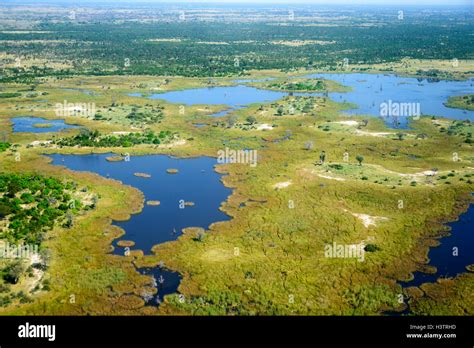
212	180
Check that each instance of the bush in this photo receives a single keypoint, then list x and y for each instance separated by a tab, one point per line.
10	95
251	119
336	166
5	301
4	146
371	248
13	272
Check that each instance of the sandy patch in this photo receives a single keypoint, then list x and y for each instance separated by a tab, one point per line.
245	41
264	126
25	32
373	134
86	198
174	143
368	220
42	42
425	173
164	40
37	273
40	142
283	184
306	171
298	43
212	43
348	123
440	123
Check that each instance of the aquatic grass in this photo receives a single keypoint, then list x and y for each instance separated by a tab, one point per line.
269	258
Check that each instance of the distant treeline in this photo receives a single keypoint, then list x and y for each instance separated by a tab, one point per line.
222	49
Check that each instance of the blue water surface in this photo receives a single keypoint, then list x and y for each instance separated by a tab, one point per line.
26	124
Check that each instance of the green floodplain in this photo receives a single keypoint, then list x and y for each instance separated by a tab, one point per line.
367	190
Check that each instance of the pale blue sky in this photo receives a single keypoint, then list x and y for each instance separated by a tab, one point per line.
353	2
325	2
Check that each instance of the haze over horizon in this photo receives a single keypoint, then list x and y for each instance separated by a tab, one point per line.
269	2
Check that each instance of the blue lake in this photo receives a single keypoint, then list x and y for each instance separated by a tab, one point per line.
166	283
369	91
196	182
226	111
26	124
442	256
235	97
232	96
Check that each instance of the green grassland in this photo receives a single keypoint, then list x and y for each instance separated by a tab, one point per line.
461	102
269	258
301	85
445	297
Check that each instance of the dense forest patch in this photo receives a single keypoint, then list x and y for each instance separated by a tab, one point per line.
96	139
